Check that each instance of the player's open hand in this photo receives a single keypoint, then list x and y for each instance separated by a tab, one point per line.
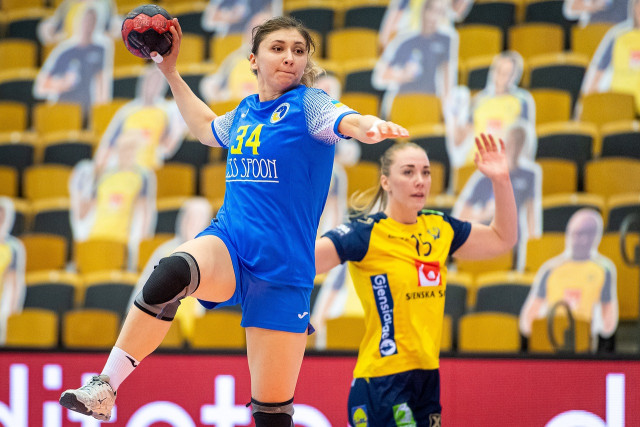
167	63
381	130
490	159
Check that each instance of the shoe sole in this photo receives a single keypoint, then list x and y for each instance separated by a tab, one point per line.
71	402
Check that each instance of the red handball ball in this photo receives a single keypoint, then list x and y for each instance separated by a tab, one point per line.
146	29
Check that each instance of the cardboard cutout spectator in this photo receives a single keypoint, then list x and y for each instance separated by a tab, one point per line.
61	25
421	61
495	108
476	202
615	67
12	267
234	79
402	15
79	69
232	16
117	204
595	11
149	115
580	276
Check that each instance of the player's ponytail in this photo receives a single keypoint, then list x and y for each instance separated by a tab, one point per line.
375	199
312	70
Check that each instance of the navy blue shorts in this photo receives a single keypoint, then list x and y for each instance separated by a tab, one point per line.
264	304
409	398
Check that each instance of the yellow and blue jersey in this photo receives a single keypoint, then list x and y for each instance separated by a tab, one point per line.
399	272
581	284
280	156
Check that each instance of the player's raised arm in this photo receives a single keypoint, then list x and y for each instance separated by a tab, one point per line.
370	129
487	241
196	114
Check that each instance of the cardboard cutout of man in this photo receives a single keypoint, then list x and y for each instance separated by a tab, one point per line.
61	24
580	276
79	70
12	267
232	16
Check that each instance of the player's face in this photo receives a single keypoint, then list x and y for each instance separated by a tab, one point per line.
408	183
280	62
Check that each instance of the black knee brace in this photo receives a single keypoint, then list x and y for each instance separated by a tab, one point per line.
174	278
272	414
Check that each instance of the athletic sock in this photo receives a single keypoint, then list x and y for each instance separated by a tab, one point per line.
118	367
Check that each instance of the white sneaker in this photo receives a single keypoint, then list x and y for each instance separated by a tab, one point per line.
96	398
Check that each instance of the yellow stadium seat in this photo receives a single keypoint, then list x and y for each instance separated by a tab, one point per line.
570	140
461	175
489	333
536	39
44	251
213	182
148	246
620	139
446	341
352	44
552	105
364	103
345	332
222	46
9	180
361	177
612	175
123	58
98	255
619	207
502	291
586	39
218	329
628	276
46	181
176	180
101	115
32	328
606	107
90	329
438	184
57	117
51	289
192	49
473	71
18	53
502	262
558	176
13	116
543	248
539	341
479	40
415	109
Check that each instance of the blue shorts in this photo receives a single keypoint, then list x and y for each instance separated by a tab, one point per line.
409	398
264	304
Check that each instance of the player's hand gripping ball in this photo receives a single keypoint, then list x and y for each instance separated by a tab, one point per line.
146	29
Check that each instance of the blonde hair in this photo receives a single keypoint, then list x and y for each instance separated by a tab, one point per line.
258	34
364	202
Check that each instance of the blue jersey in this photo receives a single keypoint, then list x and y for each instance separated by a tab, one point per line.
278	173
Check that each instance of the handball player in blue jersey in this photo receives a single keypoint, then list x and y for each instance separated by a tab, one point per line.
259	250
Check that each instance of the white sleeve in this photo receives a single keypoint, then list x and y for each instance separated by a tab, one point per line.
221	126
323	115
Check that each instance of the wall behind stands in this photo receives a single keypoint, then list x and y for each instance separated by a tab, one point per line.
201	390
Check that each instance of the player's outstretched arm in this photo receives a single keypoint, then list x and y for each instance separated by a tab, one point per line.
488	241
196	114
370	129
326	255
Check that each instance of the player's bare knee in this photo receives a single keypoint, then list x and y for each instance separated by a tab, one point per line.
174	278
272	414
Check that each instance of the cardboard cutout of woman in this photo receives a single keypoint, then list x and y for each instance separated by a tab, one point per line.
615	66
580	276
12	267
495	108
156	119
79	69
476	202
